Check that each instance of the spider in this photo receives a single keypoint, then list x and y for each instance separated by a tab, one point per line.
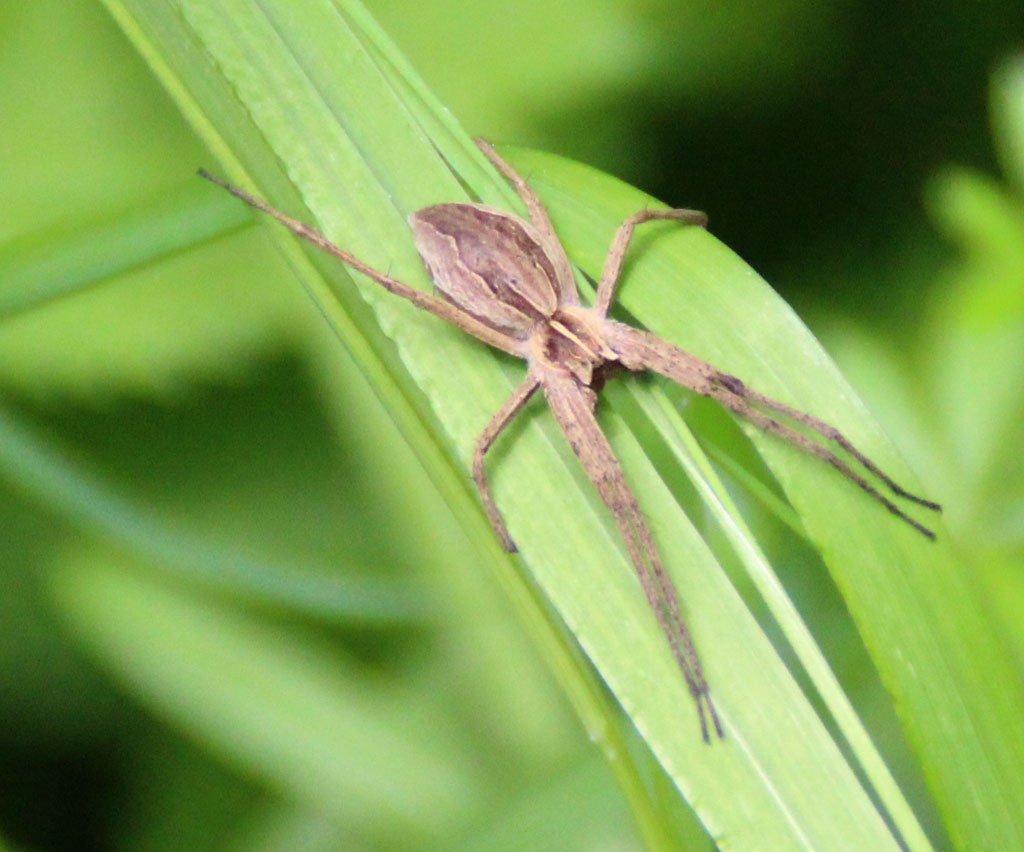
508	282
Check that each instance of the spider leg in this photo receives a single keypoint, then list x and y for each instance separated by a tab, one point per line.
640	350
620	242
502	417
739	405
573	407
427	301
539	218
833	434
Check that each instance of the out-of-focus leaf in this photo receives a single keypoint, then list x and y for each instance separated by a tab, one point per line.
301	720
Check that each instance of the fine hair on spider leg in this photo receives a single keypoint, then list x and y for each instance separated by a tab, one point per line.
507	281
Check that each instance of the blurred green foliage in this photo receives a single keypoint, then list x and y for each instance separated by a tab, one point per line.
189	459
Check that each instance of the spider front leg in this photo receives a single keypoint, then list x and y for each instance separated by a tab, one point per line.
620	242
502	417
641	350
832	434
737	403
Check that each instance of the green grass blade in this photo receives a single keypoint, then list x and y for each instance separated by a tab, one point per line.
51	474
52	264
189	72
299	718
294	103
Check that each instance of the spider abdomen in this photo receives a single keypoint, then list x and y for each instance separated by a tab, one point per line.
489	263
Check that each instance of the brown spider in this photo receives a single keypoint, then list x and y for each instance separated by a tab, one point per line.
508	282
